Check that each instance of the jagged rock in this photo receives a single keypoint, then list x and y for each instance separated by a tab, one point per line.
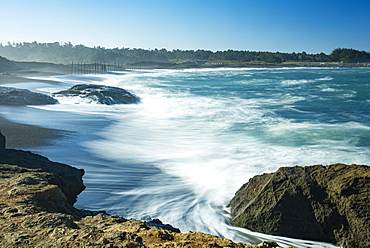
67	178
158	223
326	203
19	97
100	94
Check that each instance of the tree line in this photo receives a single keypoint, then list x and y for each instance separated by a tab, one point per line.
66	53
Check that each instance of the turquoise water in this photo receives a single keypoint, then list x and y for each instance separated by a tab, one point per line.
199	134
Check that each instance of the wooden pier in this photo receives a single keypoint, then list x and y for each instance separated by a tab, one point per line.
86	68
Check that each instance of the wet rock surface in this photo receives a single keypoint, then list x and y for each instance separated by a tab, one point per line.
100	94
326	203
20	97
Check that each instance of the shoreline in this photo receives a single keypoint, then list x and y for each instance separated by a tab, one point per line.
10	79
24	136
41	136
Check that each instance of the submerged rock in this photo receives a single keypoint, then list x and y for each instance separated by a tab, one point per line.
325	203
100	93
19	97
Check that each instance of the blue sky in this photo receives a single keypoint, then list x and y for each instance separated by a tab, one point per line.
313	26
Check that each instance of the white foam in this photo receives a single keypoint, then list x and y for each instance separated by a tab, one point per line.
205	146
305	81
327	78
329	90
296	82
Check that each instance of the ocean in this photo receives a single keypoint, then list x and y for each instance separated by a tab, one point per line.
199	134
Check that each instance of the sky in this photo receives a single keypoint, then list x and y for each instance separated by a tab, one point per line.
313	26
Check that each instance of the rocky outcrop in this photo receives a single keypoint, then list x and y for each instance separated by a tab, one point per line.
67	178
100	94
326	203
36	210
19	97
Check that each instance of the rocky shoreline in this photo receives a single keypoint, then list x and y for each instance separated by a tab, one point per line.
325	203
36	210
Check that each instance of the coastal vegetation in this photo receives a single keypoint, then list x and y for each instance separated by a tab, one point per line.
66	53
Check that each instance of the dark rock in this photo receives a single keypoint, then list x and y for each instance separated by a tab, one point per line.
2	141
19	97
67	178
326	203
158	223
100	93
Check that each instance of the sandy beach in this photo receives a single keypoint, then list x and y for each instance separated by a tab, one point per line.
22	136
10	79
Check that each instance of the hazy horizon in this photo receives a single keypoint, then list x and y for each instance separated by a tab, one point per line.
284	26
